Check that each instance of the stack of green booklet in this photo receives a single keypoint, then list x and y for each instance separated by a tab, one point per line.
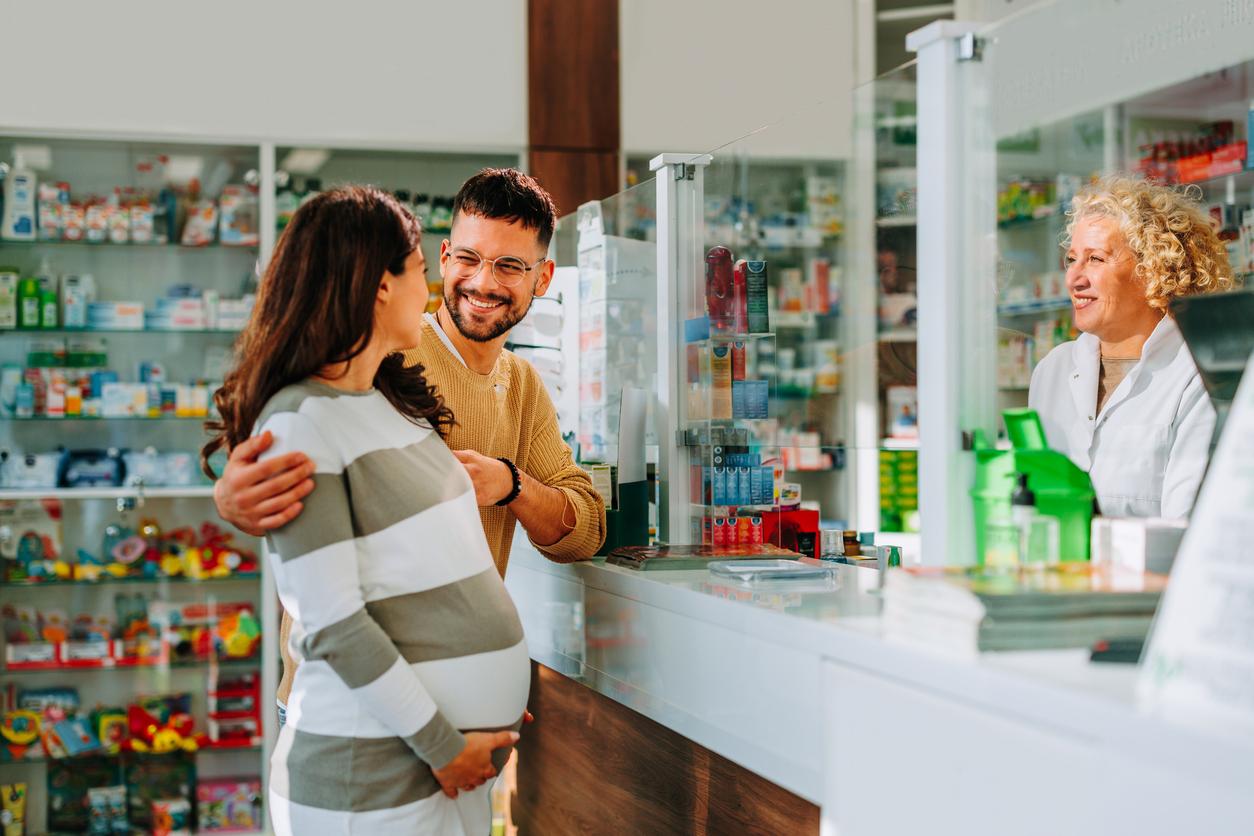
969	610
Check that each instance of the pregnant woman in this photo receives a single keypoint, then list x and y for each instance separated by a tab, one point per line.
407	637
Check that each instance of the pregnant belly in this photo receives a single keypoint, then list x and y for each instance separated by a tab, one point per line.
483	691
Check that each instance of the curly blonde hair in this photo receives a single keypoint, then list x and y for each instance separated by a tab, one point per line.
1177	250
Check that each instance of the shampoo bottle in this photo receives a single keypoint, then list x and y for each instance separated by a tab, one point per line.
18	222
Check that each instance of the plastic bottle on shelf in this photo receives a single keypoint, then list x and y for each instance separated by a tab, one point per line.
313	188
422	207
18	220
48	309
286	201
28	302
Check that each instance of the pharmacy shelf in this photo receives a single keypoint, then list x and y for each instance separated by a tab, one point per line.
799	320
1242	180
706	510
727	339
108	332
1030	307
109	246
122	492
899	444
1038	221
897	221
129	581
62	420
251	663
899	335
87	756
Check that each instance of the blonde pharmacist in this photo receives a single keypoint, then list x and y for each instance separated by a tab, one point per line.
1124	401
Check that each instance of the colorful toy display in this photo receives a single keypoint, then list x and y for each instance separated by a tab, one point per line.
145	552
203	631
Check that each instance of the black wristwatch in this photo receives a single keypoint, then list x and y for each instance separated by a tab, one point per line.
517	489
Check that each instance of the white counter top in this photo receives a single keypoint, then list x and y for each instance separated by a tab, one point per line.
740	670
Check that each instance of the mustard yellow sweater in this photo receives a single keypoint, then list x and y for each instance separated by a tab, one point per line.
508	413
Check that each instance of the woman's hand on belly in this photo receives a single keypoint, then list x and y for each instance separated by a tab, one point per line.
474	765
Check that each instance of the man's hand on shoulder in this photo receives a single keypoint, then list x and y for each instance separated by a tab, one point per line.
492	478
260	496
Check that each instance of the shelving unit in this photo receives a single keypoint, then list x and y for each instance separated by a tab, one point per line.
143	273
68	522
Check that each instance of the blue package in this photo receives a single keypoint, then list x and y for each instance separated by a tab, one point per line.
99	379
707	484
744	485
768	485
720	486
757	395
755	486
739	395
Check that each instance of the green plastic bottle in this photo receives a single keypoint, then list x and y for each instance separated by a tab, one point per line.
29	299
48	309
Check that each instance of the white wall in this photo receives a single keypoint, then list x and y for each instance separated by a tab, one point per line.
365	73
697	74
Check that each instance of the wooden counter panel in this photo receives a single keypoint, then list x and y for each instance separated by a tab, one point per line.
589	765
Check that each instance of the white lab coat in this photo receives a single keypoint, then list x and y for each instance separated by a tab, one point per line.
1147	450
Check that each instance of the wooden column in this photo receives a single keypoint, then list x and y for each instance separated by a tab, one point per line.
573	99
589	765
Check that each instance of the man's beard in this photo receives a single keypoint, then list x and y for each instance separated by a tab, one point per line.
494	330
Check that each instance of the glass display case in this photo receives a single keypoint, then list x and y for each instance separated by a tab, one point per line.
133	667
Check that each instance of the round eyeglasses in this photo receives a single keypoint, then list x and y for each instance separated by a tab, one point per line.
508	270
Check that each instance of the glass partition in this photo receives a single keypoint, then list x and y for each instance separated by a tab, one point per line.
881	357
606	285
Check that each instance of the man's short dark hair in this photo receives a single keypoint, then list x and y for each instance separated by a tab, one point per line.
507	194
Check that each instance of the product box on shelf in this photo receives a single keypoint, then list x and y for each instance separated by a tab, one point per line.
69	786
229	805
150	780
238	223
235	710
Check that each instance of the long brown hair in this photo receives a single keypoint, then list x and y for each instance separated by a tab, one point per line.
315	307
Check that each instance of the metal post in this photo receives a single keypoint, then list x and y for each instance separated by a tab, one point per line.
680	225
957	336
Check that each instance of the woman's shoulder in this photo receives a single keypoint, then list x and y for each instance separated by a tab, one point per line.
306	397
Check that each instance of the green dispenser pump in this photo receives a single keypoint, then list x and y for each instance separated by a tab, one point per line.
1062	490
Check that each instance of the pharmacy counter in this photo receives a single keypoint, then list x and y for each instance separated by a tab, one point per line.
795	683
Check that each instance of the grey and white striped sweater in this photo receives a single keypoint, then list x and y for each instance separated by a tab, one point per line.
406	633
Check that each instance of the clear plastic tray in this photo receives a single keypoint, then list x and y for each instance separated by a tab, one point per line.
768	570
